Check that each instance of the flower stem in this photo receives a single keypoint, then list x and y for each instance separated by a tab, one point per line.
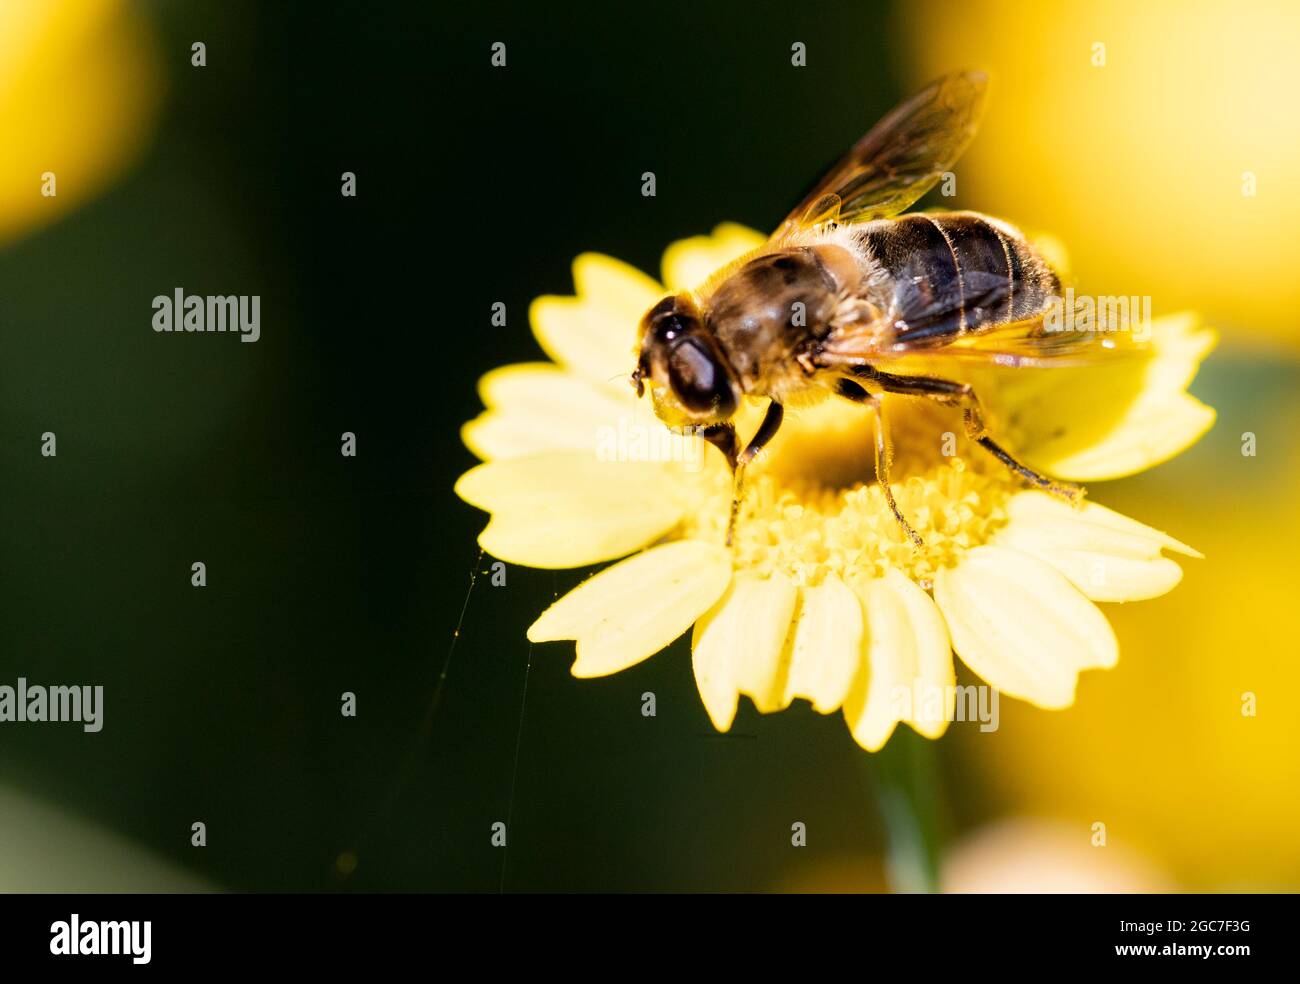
910	799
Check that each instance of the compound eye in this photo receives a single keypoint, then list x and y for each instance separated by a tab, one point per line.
670	327
699	380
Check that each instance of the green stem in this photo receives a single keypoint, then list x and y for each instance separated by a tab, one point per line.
910	799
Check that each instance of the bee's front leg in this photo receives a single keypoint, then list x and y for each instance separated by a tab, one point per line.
763	436
723	437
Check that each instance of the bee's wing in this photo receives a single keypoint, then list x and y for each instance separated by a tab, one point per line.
900	159
1032	343
1027	343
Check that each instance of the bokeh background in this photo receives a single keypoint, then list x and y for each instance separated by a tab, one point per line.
475	185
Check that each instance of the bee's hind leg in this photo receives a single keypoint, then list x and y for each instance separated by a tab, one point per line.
976	431
963	395
723	437
852	391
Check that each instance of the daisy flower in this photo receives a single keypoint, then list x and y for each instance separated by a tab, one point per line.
821	596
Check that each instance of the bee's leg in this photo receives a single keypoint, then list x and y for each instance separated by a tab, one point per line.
1069	491
723	437
852	391
766	431
963	395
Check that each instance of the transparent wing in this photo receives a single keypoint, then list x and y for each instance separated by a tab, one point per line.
900	159
1033	342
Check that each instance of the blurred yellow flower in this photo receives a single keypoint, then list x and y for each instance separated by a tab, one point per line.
1032	856
1159	139
1187	750
821	595
79	89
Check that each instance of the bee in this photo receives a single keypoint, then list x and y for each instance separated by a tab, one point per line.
847	284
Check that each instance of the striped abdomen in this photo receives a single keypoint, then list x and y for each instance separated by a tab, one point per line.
950	273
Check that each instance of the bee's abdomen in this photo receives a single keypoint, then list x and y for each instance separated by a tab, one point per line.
949	273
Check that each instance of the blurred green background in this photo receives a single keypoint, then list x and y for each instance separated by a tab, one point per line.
329	574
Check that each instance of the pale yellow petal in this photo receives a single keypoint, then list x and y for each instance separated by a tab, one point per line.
539	406
1091	423
594	334
688	263
1031	506
1104	554
826	646
568	508
1022	626
1151	432
1181	344
614	285
536	385
1100	576
738	646
907	673
632	610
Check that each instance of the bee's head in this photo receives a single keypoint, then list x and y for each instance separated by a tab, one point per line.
690	380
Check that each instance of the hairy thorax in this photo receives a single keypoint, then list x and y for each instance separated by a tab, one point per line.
776	306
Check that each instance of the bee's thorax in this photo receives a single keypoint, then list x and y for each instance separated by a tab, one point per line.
774	306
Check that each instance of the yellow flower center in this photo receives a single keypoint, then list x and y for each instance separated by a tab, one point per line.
812	506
